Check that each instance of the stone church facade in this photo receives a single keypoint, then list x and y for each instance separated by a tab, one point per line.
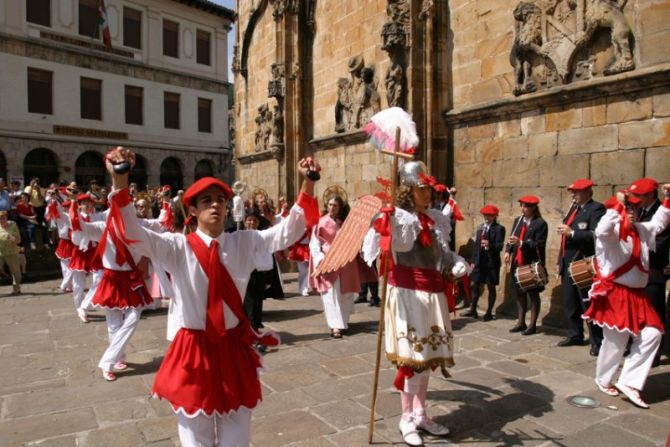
510	97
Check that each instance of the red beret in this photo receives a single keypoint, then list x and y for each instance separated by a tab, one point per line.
82	197
580	185
66	204
643	186
202	185
166	188
489	209
62	189
440	187
531	200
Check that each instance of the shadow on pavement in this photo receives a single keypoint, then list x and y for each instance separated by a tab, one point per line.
483	412
138	369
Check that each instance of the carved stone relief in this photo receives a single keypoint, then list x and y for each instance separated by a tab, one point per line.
235	66
264	126
558	41
279	7
394	35
357	97
277	85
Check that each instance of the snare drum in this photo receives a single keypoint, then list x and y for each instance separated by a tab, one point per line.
531	276
582	272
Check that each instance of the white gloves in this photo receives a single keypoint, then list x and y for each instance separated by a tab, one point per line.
459	269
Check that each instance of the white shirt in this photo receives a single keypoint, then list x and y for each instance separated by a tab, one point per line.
613	253
241	253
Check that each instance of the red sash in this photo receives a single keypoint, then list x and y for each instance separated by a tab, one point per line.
604	284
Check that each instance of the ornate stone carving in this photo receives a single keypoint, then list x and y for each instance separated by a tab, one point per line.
277	127
277	85
394	42
426	9
394	81
279	7
231	127
264	126
357	97
235	66
554	42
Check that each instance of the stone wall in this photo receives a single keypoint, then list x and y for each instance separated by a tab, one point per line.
612	129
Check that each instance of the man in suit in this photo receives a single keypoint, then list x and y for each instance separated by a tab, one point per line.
489	241
578	242
646	189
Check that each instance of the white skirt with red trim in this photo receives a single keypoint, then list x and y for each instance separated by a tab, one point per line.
623	309
200	376
121	290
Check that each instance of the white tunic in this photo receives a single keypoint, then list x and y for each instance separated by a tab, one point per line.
241	253
618	252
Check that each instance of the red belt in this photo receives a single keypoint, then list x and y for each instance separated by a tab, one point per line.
426	280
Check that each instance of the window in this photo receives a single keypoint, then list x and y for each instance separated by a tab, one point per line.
132	28
91	98
40	96
39	12
88	18
170	38
202	47
171	110
134	113
204	115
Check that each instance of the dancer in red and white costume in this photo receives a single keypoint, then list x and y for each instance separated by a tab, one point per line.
618	301
56	213
80	263
209	374
121	290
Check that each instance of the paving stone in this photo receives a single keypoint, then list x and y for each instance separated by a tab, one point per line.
122	410
281	429
336	389
158	429
520	432
123	434
643	424
46	401
347	366
15	431
514	369
61	441
484	356
342	414
275	403
605	434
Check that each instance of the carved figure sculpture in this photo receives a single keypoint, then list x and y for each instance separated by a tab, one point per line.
609	14
263	128
367	99
394	83
277	127
527	43
343	105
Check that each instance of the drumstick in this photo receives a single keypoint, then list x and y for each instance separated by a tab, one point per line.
508	263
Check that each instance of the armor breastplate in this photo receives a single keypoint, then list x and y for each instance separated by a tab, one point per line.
423	257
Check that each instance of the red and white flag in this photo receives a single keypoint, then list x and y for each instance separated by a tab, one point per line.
103	23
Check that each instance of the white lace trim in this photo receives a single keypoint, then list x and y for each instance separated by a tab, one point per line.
371	246
202	412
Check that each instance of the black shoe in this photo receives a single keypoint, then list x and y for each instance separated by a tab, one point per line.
570	342
594	351
374	302
360	299
518	328
488	317
530	331
469	313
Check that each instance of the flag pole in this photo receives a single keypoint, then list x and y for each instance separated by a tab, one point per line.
380	329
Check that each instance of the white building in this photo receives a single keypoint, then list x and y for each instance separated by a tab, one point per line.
161	88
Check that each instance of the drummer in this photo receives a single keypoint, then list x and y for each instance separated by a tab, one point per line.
526	246
578	242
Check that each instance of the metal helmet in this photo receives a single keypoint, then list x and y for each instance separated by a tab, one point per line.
410	173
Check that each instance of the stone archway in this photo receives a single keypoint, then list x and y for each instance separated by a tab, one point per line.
90	166
3	167
41	163
172	173
138	174
204	168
